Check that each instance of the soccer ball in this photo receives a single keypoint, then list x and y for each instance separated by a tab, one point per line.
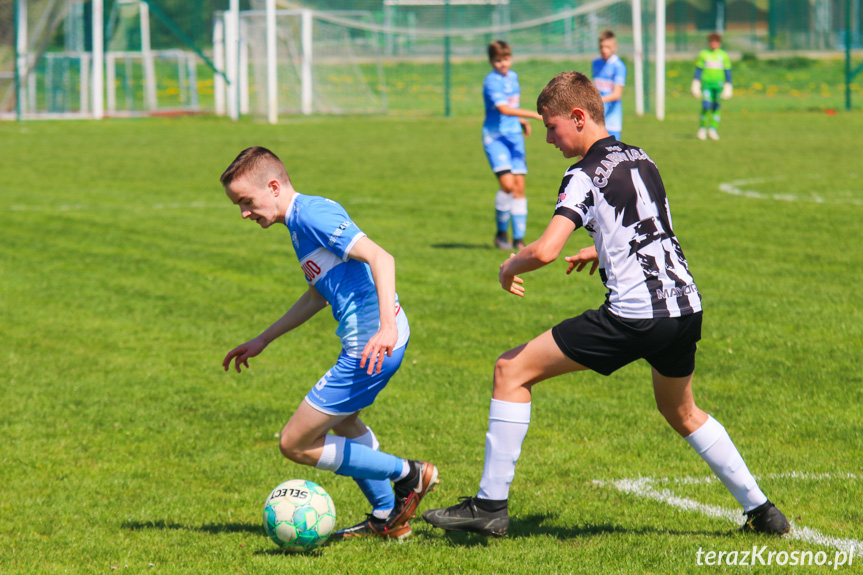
299	515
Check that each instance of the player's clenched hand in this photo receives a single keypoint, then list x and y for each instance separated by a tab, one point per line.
525	127
582	258
379	346
509	282
242	353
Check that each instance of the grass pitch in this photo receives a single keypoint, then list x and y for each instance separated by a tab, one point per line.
127	275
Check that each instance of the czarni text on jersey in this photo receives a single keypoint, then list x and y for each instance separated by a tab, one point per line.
617	156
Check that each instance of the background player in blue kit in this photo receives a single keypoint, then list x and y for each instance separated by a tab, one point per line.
609	75
504	144
652	311
348	271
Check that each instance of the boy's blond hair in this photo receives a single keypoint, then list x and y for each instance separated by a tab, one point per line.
570	90
498	49
257	162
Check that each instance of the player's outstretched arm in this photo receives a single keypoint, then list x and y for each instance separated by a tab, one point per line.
383	267
308	305
535	255
507	110
582	258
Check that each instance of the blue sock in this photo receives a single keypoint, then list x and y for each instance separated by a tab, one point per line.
361	462
519	218
378	492
502	205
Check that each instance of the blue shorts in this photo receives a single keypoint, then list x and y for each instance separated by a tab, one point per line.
346	388
505	153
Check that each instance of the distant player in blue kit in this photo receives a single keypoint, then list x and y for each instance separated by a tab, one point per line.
504	144
609	75
348	271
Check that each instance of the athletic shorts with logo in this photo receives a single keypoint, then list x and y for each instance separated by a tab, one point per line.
604	342
347	388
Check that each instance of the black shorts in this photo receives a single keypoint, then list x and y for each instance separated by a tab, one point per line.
604	342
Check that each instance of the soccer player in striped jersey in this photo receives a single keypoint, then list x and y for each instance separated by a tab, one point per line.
652	310
712	81
348	271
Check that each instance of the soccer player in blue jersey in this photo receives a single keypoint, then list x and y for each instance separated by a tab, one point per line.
348	271
609	75
504	144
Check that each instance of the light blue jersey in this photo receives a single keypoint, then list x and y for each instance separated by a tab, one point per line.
607	74
323	235
498	90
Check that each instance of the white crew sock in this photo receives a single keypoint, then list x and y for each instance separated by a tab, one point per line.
713	444
332	454
519	218
502	206
503	201
369	439
507	428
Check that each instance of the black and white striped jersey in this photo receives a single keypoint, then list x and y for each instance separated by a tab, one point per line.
616	193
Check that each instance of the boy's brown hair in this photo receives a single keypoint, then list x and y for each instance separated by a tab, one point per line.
715	36
498	49
570	90
606	35
258	162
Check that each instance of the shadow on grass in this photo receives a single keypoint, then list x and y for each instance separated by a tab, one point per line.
462	246
536	525
254	528
288	553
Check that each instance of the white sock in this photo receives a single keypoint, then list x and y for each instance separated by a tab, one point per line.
519	218
406	468
713	444
519	207
503	201
333	453
507	428
368	439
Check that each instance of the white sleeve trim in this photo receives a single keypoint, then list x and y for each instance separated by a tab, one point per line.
351	245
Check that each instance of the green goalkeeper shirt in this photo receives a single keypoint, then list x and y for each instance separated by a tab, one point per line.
714	67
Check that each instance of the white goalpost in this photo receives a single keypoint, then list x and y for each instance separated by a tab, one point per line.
119	73
287	61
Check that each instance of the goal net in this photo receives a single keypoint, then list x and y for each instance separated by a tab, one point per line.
141	65
397	58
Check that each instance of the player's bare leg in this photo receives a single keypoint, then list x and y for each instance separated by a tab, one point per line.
302	438
515	374
711	441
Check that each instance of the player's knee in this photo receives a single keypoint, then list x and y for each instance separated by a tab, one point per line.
505	374
293	451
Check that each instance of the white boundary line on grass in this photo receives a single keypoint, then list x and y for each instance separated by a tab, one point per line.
644	487
737	188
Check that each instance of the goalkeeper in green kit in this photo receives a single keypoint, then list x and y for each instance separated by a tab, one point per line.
712	81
